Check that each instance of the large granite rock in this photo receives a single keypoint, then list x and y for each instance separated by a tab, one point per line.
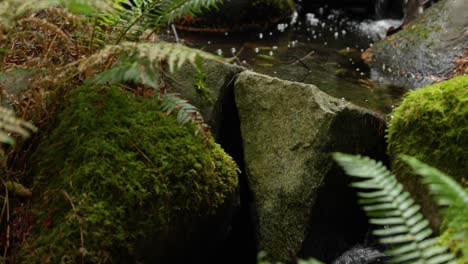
427	49
288	131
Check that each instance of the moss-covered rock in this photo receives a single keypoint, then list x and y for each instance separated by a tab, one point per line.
431	124
427	49
116	174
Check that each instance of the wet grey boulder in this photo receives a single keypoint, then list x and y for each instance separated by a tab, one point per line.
218	79
427	49
288	132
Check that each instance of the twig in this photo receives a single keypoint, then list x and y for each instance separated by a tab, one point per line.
302	63
301	59
175	34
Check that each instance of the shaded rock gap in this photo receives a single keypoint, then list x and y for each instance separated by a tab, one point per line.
240	246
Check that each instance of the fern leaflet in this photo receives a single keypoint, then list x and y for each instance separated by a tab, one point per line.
187	113
389	206
11	124
447	190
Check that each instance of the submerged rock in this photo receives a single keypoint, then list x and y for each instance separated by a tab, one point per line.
360	255
427	49
288	131
119	181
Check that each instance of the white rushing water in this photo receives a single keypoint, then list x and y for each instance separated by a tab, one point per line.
377	29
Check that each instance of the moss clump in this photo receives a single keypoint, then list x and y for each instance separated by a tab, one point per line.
432	124
117	171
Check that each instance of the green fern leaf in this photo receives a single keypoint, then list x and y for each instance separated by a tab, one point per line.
186	113
388	205
447	190
11	124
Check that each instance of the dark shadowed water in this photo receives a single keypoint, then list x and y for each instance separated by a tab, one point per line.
321	48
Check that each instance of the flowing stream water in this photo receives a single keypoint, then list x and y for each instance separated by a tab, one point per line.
322	48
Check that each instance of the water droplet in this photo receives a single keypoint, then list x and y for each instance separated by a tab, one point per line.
209	42
357	69
271	53
260	36
233	50
275	47
336	35
226	33
257	50
219	52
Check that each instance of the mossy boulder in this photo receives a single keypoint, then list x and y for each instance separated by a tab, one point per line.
431	124
117	180
426	50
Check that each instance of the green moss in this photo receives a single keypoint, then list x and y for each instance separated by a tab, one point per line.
128	170
455	228
432	124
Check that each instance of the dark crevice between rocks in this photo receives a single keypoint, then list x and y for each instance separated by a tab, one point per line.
337	222
239	246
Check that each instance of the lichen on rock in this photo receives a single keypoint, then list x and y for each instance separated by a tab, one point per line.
115	173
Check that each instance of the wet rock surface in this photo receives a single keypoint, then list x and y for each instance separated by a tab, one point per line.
217	78
427	49
288	131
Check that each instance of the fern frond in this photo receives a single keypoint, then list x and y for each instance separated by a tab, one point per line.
389	206
141	62
446	190
186	113
171	10
9	123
